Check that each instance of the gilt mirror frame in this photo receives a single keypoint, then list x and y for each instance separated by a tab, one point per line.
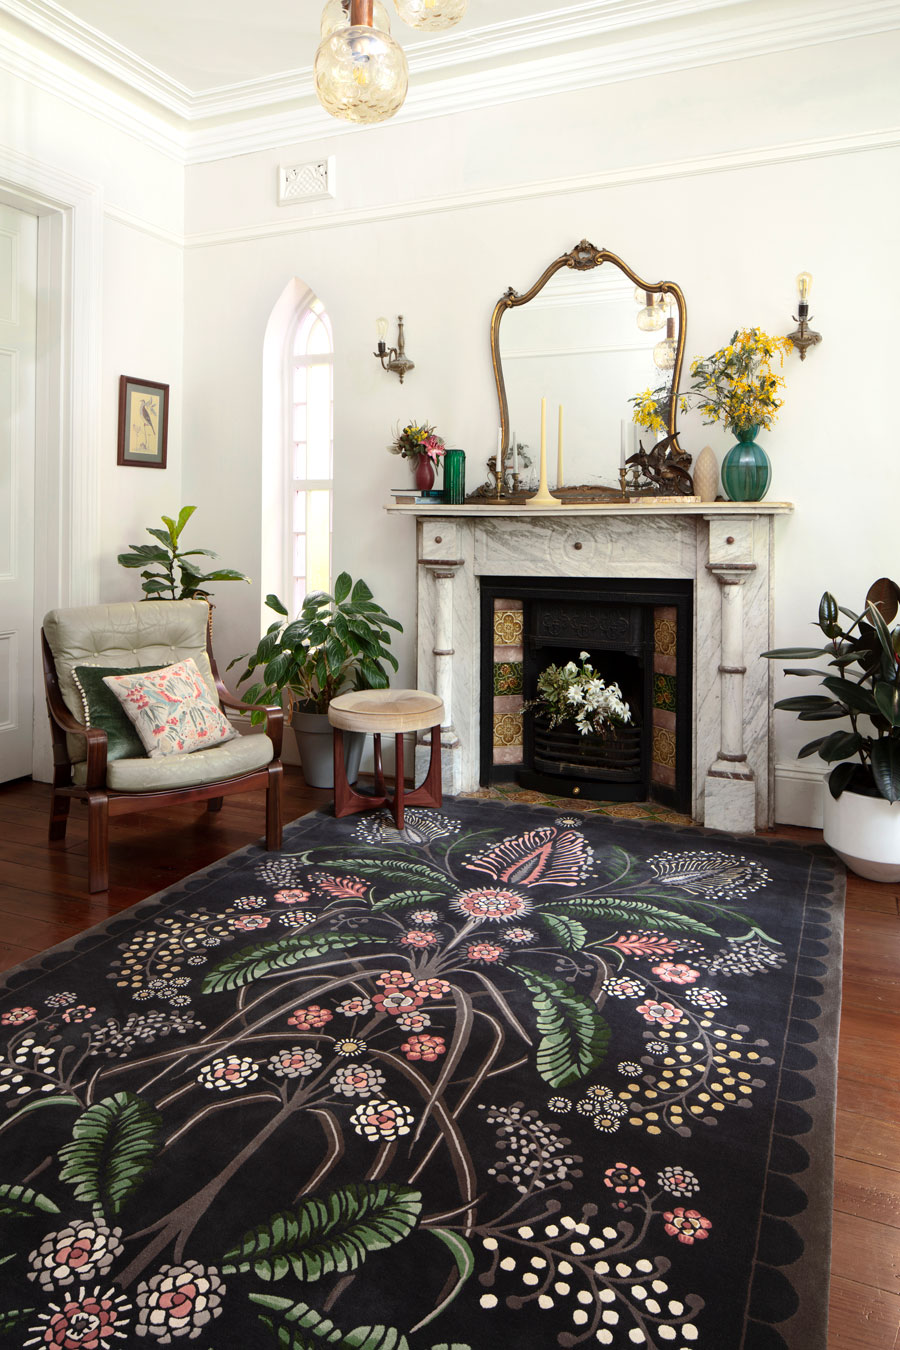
584	257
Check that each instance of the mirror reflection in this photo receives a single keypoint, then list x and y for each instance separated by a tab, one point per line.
594	337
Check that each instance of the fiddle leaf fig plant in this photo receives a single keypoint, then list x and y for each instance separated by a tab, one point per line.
862	686
337	642
159	563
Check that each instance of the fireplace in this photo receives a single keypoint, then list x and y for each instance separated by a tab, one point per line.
637	633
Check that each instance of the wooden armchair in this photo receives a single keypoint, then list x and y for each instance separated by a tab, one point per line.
150	634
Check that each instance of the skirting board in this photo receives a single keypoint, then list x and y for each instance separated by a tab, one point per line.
799	794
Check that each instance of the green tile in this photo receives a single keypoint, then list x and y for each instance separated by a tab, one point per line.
664	691
507	677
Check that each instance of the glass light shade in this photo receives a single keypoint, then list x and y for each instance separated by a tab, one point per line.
651	318
664	354
361	75
656	298
431	14
336	16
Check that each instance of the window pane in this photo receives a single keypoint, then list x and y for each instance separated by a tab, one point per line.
299	522
319	421
299	460
299	567
319	536
299	593
299	384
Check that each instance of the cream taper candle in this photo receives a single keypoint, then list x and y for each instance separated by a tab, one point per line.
559	451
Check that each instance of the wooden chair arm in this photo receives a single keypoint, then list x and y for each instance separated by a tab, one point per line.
95	738
274	715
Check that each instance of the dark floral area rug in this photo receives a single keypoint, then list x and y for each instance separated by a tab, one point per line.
511	1078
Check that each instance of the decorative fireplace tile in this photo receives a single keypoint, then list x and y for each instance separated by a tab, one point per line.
664	747
508	627
664	691
665	630
507	729
507	677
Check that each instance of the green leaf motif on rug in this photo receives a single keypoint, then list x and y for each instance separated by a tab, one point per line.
266	958
574	1037
296	1319
113	1146
398	867
334	1234
568	932
631	911
403	899
465	1265
20	1203
10	1320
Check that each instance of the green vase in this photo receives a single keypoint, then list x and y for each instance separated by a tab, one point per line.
454	477
746	469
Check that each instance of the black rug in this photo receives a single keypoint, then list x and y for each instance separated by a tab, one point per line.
511	1079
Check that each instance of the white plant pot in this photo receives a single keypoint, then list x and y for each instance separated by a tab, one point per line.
865	833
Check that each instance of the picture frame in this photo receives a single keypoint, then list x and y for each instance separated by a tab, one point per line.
143	423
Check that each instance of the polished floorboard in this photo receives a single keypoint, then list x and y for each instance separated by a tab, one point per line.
44	900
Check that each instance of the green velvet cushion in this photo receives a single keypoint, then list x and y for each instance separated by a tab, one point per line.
102	709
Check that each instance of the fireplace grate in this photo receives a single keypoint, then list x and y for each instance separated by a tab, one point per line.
615	758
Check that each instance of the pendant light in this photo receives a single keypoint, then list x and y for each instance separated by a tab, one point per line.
336	14
664	352
431	15
360	72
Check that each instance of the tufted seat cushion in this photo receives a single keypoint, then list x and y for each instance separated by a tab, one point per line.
148	634
242	755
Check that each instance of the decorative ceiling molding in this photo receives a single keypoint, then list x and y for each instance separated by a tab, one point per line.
759	158
175	129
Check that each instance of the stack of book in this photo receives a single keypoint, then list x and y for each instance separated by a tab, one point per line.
411	496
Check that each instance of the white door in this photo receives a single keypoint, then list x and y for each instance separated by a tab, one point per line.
18	310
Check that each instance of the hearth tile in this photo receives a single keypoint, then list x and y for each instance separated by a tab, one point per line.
662	775
665	630
507	754
507	728
663	747
507	677
663	691
663	718
508	625
508	651
508	703
666	665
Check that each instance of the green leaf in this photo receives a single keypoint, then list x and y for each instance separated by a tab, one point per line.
887	697
634	911
360	593
142	554
328	1236
396	867
403	899
184	516
342	587
795	653
884	595
273	602
840	777
811	747
808	703
851	693
300	1315
886	767
839	745
113	1146
882	631
568	932
574	1036
267	958
20	1203
13	1317
465	1265
162	535
828	615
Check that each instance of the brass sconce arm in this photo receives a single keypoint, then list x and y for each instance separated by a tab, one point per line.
804	337
393	358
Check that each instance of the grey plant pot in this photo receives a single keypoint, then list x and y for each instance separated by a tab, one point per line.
314	741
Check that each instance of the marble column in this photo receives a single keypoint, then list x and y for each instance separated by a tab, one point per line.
730	787
442	572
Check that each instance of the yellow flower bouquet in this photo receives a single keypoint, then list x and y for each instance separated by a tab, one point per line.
737	385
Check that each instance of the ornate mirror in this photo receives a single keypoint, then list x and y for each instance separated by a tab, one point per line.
591	335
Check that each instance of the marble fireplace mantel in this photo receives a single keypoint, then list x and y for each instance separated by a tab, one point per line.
725	548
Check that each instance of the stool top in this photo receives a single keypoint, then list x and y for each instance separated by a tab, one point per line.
386	710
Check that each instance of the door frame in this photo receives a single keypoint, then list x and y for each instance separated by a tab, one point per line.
67	371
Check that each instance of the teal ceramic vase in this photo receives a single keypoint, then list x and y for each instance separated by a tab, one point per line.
454	477
746	469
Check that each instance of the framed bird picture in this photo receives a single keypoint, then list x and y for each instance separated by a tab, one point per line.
143	422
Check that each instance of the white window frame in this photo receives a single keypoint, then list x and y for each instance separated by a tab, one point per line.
294	361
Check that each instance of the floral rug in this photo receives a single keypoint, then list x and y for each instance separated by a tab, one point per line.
510	1078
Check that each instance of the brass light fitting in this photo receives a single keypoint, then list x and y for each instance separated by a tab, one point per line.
393	358
804	337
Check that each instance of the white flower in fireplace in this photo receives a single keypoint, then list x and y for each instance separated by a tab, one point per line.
577	694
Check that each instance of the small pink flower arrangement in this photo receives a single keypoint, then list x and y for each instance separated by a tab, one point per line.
417	441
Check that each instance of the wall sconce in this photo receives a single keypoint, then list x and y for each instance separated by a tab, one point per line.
399	362
804	337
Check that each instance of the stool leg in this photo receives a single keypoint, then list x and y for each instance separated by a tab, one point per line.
379	768
342	803
399	785
432	784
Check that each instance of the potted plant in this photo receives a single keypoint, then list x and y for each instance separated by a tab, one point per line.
738	387
862	814
419	443
337	642
160	561
578	719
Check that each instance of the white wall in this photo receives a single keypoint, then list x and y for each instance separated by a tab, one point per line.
728	179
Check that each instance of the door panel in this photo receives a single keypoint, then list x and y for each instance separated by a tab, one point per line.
18	309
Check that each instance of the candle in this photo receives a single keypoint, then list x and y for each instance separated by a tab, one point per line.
515	450
499	447
624	435
559	451
543	438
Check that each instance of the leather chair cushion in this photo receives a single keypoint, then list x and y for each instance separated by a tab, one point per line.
242	755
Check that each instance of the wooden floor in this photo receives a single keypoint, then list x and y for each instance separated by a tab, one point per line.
44	899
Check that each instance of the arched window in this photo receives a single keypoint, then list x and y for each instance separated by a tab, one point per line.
309	403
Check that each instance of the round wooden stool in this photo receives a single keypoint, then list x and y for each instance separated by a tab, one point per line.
386	712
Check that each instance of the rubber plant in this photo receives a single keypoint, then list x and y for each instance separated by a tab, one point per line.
159	563
337	642
863	685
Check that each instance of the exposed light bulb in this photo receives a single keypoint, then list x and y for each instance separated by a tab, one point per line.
361	74
381	327
651	318
804	286
644	297
336	15
664	352
431	15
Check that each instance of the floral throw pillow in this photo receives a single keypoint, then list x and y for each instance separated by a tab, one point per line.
171	709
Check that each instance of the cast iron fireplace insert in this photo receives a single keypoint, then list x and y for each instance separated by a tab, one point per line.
638	633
